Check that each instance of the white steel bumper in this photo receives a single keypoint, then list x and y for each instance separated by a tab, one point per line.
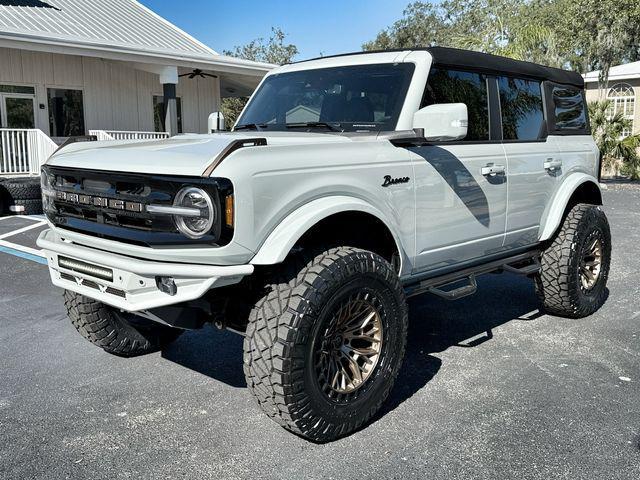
126	282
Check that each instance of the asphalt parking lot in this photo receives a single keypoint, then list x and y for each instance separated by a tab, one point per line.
490	389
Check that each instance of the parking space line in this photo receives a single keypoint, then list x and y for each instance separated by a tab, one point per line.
35	218
21	248
23	229
38	258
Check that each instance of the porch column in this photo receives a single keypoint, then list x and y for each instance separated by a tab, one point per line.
170	108
169	81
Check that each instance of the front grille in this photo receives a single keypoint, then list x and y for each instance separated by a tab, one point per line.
112	200
112	205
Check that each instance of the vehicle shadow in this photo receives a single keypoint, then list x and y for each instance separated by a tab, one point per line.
434	326
211	352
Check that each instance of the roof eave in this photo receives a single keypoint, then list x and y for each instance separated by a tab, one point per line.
594	79
221	63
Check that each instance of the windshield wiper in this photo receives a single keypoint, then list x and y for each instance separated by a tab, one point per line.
250	126
333	128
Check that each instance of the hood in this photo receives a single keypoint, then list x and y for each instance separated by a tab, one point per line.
187	155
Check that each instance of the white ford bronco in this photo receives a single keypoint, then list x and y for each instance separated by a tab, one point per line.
348	184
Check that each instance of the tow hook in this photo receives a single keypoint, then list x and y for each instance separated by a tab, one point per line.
167	285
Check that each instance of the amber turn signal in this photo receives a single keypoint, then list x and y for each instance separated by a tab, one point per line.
228	210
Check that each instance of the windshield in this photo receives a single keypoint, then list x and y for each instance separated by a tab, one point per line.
353	98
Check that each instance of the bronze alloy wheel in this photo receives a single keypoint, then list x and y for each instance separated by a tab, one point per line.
350	346
591	263
326	342
575	266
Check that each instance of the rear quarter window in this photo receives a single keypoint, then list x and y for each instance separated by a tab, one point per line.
569	109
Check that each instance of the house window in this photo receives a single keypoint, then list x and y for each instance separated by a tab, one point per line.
17	89
623	101
17	106
453	86
159	113
66	112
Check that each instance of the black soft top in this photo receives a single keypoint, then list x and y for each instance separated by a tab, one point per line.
454	57
485	62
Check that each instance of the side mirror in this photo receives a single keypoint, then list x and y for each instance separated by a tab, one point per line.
216	122
444	122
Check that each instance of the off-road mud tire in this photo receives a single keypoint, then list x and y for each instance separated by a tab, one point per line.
22	189
299	297
118	333
27	207
558	285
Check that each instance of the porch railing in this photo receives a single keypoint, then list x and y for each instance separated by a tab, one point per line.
124	135
23	151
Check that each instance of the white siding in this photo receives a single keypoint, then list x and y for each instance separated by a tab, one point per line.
116	96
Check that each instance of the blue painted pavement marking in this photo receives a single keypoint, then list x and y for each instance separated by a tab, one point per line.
26	256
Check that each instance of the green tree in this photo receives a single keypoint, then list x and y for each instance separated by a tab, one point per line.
597	34
583	35
422	24
502	27
273	50
607	131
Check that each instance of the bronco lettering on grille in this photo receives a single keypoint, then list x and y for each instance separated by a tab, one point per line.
102	202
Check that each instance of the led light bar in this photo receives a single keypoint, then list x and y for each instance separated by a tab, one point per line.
86	268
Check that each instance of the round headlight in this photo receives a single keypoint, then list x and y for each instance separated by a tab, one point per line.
200	213
47	182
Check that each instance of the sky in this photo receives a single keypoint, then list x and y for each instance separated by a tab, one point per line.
321	27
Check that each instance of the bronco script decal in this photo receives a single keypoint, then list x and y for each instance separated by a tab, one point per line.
394	181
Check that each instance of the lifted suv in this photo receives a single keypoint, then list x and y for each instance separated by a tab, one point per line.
348	184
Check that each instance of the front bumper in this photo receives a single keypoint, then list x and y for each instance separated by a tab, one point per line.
132	286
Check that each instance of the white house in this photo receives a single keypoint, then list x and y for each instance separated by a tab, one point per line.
623	90
112	68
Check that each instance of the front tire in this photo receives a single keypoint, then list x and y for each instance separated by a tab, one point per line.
119	333
325	342
575	267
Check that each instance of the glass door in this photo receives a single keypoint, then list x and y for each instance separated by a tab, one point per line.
17	110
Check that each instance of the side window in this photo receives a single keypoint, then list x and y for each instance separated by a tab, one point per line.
569	108
454	86
521	107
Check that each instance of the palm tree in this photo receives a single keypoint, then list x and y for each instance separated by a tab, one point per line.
607	130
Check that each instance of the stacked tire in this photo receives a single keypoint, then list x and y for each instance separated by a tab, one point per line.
21	196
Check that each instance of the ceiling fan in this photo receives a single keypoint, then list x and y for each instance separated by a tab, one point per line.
198	73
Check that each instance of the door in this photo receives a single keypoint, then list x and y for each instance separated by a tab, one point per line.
17	110
461	203
533	159
461	187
